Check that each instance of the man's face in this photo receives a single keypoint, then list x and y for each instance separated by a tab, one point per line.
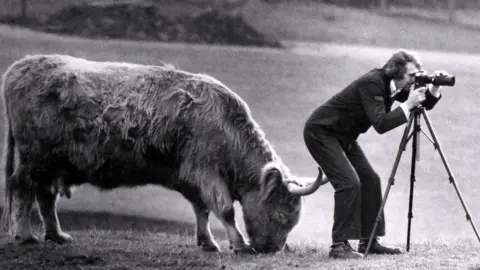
408	77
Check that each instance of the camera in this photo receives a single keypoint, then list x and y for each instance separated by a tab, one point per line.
422	78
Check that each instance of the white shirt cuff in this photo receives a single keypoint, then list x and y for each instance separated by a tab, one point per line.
436	94
405	110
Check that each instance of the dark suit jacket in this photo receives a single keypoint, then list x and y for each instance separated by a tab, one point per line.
364	103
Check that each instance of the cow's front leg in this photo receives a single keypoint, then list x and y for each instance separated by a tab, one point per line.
204	235
47	203
216	195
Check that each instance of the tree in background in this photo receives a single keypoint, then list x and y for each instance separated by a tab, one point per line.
451	10
24	8
232	7
384	4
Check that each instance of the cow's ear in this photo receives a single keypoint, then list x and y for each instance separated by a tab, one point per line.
271	182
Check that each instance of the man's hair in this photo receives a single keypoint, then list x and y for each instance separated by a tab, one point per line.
395	67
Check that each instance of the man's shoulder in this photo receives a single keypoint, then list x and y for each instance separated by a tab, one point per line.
375	75
371	79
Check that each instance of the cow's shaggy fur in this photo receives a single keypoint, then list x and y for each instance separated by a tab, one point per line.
73	121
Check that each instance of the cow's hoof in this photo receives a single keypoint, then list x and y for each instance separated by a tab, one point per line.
207	243
59	238
245	249
209	246
29	239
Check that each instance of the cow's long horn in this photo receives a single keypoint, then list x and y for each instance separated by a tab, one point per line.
304	189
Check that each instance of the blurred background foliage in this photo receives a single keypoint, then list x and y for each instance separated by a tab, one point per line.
257	22
31	7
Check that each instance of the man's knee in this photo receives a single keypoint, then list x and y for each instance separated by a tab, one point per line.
308	137
350	183
370	179
354	185
375	178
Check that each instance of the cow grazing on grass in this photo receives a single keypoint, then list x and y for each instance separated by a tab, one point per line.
73	121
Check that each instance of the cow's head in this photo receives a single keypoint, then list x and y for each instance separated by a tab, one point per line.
273	210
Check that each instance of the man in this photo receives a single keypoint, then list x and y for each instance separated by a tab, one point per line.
331	134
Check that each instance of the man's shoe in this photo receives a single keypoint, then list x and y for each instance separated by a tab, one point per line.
377	248
343	251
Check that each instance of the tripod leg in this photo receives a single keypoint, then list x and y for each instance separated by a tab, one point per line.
391	181
415	155
450	174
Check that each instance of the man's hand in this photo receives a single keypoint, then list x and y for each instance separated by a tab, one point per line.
415	97
435	89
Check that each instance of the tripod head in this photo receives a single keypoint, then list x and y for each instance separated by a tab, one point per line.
417	110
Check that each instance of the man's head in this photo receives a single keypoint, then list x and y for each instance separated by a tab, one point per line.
401	67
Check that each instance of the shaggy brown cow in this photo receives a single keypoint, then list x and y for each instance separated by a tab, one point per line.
73	121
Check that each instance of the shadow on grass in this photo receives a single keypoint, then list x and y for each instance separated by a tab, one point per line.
127	248
85	221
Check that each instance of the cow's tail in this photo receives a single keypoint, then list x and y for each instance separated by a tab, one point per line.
9	161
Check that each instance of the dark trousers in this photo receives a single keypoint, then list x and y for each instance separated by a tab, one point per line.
358	195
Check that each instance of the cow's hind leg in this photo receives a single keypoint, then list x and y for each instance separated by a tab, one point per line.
215	194
22	198
47	203
204	235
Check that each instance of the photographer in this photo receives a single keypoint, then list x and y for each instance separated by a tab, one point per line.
331	134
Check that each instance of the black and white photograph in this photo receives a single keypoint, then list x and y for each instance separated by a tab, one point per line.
239	134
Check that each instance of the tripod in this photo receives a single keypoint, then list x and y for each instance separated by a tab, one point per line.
415	119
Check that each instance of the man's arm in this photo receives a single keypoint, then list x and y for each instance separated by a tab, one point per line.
401	96
432	96
371	95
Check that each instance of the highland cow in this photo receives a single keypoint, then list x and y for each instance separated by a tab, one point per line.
73	121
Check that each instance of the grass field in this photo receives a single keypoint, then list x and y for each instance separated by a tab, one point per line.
145	230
